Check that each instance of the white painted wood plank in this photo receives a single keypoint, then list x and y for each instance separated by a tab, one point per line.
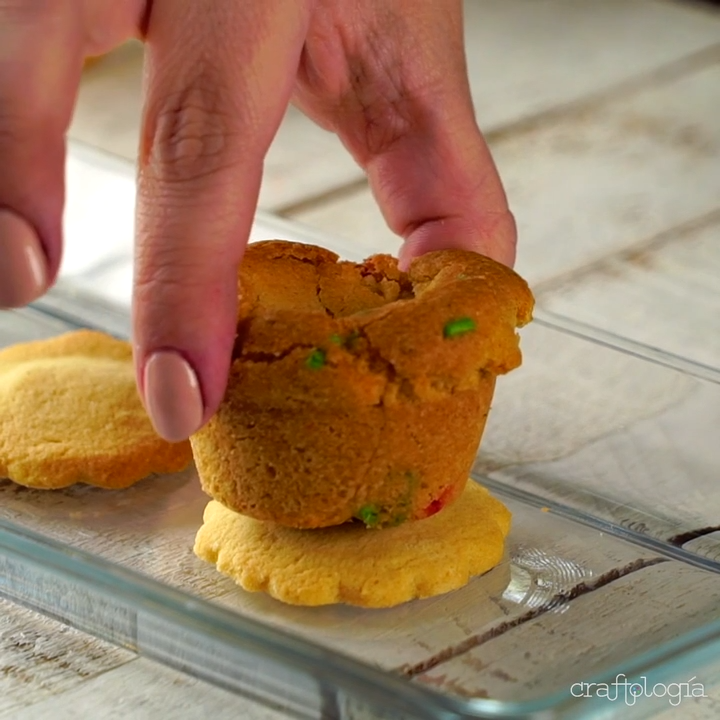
570	392
41	658
304	160
668	298
707	546
109	104
606	179
528	56
355	218
590	635
610	434
145	690
99	218
590	184
523	58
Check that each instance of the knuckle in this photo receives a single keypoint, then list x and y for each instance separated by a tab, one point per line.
171	282
383	102
162	273
191	132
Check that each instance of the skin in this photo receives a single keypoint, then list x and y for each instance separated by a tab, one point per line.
388	76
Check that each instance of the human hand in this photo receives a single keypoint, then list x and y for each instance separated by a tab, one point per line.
388	76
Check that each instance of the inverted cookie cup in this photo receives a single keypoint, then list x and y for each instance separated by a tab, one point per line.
356	390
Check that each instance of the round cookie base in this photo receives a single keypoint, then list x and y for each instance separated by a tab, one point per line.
71	414
353	565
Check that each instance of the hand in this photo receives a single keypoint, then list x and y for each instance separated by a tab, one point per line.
388	76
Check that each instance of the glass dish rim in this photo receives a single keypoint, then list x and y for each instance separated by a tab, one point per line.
155	599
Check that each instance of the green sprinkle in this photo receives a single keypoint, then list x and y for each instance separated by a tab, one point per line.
369	514
347	341
316	359
459	326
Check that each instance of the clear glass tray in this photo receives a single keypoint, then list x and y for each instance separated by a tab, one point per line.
666	297
606	453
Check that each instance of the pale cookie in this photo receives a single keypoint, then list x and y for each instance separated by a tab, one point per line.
351	564
71	414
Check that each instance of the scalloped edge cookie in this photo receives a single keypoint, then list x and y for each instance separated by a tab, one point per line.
353	565
71	414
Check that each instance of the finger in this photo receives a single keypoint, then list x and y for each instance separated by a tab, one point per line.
400	101
40	65
42	46
218	79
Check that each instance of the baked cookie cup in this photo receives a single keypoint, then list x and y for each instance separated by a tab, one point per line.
357	390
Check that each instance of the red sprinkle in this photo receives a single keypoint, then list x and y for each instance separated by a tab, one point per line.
434	507
439	503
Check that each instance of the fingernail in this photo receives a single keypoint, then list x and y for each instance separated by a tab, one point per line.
172	396
23	266
404	258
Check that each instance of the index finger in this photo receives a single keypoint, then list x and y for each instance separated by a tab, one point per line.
218	80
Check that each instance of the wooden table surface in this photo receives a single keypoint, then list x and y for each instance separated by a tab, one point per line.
603	118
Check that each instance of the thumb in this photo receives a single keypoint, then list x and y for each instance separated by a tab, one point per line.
458	204
400	101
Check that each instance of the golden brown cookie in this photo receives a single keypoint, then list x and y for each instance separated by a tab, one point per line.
357	390
71	414
353	565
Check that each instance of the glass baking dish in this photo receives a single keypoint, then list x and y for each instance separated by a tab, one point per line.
666	297
605	455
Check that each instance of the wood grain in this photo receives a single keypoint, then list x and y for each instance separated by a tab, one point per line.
592	183
656	476
569	393
41	659
589	635
667	296
547	557
144	690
